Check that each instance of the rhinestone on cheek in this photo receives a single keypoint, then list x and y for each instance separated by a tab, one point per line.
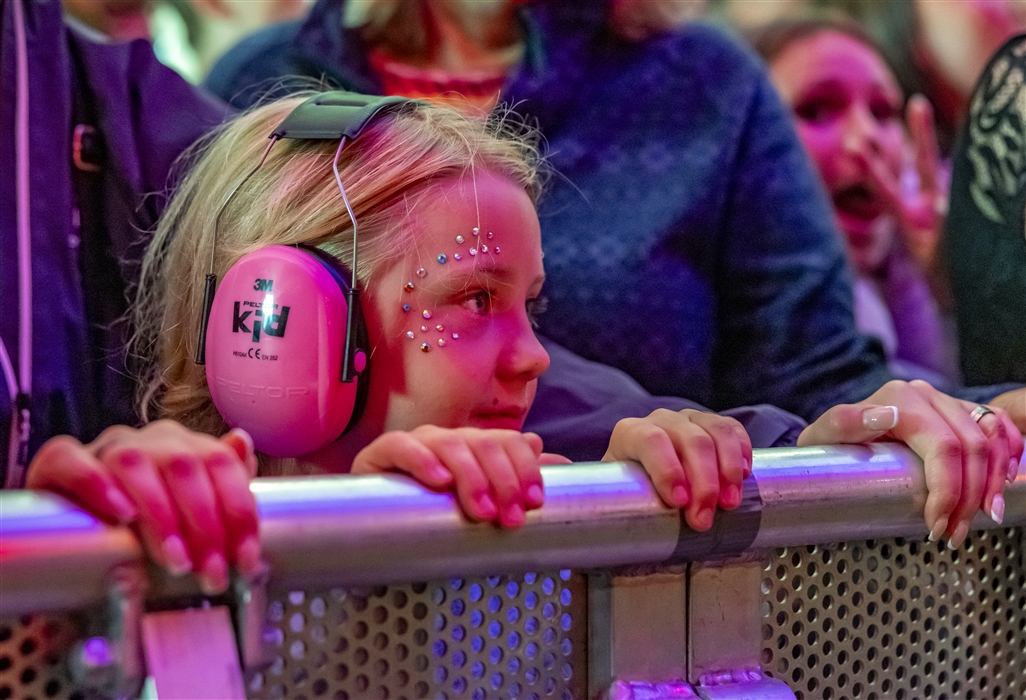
423	329
490	235
406	308
441	342
475	231
460	239
408	286
458	256
421	272
426	314
442	258
495	250
425	347
484	249
439	328
455	336
410	335
473	251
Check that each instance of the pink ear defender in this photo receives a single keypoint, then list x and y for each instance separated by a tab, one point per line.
275	343
282	337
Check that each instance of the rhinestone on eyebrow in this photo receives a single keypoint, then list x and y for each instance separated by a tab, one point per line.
475	231
441	342
421	272
458	256
425	347
408	286
406	308
426	314
439	328
460	239
442	258
411	335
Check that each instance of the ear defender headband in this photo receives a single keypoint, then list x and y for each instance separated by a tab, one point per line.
279	361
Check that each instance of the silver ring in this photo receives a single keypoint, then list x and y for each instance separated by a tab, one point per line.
979	412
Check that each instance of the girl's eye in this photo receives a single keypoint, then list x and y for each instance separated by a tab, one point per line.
818	110
535	308
479	302
885	111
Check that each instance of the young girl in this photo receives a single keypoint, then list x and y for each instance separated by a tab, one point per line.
848	112
451	271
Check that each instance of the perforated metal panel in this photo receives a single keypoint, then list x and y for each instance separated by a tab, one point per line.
896	619
33	651
501	636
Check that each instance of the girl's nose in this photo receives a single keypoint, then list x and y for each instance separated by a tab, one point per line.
525	356
861	132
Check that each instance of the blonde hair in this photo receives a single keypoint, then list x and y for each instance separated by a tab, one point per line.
294	199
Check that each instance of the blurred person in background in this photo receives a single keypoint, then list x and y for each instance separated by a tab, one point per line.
986	227
886	184
687	238
187	35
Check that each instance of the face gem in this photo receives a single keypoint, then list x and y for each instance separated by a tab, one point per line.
423	329
421	272
490	235
441	342
425	347
406	308
495	250
460	239
458	256
475	231
473	251
484	249
442	258
408	286
439	328
426	314
455	336
410	335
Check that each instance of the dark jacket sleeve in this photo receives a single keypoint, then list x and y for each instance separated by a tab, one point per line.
579	402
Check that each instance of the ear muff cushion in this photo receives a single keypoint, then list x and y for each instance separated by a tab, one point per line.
274	351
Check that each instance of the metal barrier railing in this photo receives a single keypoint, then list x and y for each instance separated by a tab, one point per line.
705	614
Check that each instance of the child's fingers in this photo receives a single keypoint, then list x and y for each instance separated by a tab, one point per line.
641	440
405	452
504	482
194	499
469	478
525	456
242	443
701	467
230	478
730	456
64	466
158	524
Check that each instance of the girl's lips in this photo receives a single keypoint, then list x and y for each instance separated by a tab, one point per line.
511	418
858	201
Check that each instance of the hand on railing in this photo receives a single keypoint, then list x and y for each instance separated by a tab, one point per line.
968	452
186	493
495	473
696	460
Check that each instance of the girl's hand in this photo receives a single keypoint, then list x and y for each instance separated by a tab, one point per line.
966	461
920	214
495	473
697	460
186	493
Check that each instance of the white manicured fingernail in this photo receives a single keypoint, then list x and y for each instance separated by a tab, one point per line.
123	508
880	417
997	509
176	558
958	536
938	529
